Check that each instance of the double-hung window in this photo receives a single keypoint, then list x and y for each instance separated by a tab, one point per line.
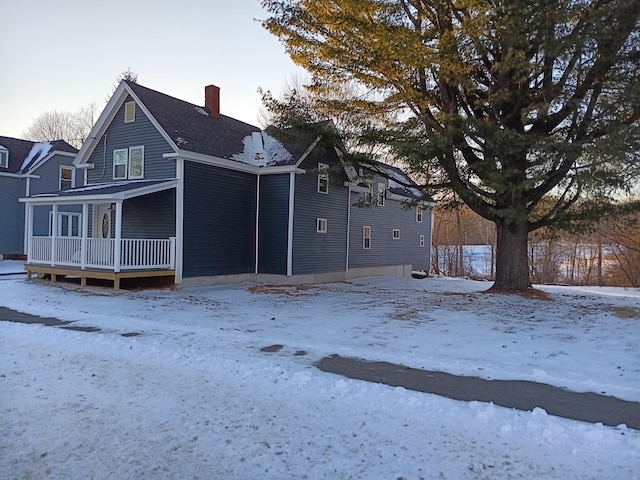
366	237
422	240
418	213
66	177
128	163
396	234
323	178
321	225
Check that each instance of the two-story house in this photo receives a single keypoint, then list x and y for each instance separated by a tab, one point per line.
172	188
28	168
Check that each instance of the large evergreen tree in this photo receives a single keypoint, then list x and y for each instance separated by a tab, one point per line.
527	109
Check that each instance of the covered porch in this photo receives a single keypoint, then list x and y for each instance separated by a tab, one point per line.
84	236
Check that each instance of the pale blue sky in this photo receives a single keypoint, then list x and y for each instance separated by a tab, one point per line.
65	54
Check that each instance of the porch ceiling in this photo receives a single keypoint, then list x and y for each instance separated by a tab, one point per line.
102	193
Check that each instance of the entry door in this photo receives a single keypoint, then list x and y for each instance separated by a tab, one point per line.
102	222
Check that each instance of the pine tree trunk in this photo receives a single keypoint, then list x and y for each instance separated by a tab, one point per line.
512	261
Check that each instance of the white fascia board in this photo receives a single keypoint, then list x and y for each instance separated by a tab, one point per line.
104	120
308	150
106	117
48	157
358	188
99	197
402	198
232	164
139	192
18	175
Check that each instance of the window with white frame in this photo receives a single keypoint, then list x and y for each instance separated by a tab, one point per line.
129	112
422	240
68	224
381	194
323	178
4	157
321	225
396	234
66	177
128	163
368	195
366	237
418	213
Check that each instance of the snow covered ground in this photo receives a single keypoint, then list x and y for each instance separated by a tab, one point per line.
193	396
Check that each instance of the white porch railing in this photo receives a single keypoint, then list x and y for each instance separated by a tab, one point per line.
135	254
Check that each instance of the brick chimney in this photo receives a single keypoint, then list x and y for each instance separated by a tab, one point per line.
212	99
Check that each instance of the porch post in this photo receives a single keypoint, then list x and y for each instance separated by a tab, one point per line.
118	237
84	233
54	232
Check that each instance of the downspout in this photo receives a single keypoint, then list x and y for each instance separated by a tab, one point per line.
430	239
292	189
257	220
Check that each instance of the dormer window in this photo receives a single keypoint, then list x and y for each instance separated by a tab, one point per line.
129	112
4	157
381	194
323	178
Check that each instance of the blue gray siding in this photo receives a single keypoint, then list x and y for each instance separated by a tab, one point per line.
273	224
385	250
133	134
315	252
150	216
219	221
11	215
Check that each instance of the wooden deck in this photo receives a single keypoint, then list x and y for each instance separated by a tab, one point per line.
55	272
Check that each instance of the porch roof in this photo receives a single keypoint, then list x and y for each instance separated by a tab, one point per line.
103	193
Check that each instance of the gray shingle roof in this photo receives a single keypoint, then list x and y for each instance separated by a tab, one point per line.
191	127
20	150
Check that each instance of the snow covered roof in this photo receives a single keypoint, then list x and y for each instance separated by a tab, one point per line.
25	155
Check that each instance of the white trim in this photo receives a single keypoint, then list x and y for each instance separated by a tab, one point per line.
233	164
179	219
257	239
18	175
292	190
308	150
101	198
117	237
346	266
25	241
